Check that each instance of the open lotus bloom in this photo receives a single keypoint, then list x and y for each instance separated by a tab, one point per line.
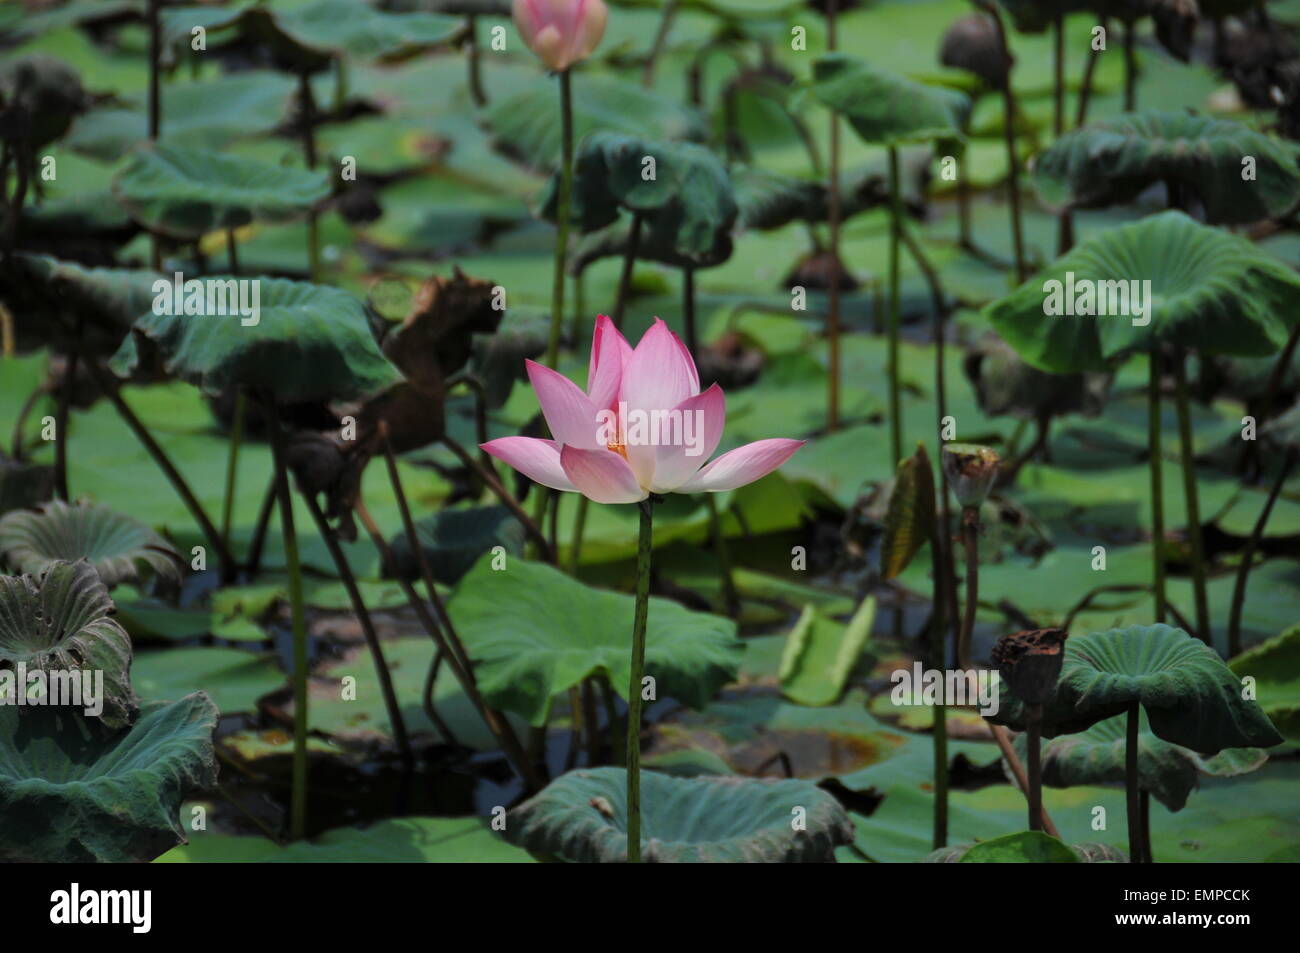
561	32
641	427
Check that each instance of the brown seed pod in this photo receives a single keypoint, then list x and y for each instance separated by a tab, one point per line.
1030	661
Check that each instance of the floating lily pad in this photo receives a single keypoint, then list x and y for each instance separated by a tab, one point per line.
61	624
1027	847
535	632
188	192
310	343
1275	666
114	543
582	817
820	654
107	798
453	540
232	678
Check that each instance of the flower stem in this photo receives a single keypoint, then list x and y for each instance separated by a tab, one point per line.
1034	741
970	526
895	236
833	226
298	797
476	91
1193	502
1010	112
1248	557
561	217
1157	484
1131	787
634	685
232	465
939	622
307	119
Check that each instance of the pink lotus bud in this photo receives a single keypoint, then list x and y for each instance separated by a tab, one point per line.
561	32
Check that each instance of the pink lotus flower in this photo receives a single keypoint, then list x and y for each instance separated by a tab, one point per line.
561	32
641	427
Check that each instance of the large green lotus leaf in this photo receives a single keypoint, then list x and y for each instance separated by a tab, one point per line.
309	34
535	632
527	123
232	678
687	205
581	817
114	543
69	793
311	343
454	539
49	295
1166	771
188	192
768	200
1112	161
402	840
886	108
1275	666
208	113
1210	290
1191	698
61	624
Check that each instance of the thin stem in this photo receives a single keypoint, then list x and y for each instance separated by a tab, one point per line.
895	234
61	425
833	214
1089	68
232	465
720	548
939	625
367	628
1130	65
254	564
1248	557
307	119
1034	740
155	51
1010	112
1131	786
426	700
1018	772
1193	502
1058	70
634	686
561	217
625	277
298	797
232	255
661	37
501	728
970	523
110	388
476	90
1156	462
507	498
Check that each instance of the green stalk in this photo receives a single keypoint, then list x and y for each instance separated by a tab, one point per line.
1157	484
1034	741
1131	787
833	225
298	797
1193	502
895	227
232	466
970	527
561	217
939	620
729	598
1010	112
476	91
1248	557
634	685
307	110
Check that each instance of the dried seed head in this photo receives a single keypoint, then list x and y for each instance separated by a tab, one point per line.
1030	662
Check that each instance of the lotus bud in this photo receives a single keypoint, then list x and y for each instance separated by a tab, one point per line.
561	32
970	470
1031	663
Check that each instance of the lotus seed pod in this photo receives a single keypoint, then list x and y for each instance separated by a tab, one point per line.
970	470
1030	662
